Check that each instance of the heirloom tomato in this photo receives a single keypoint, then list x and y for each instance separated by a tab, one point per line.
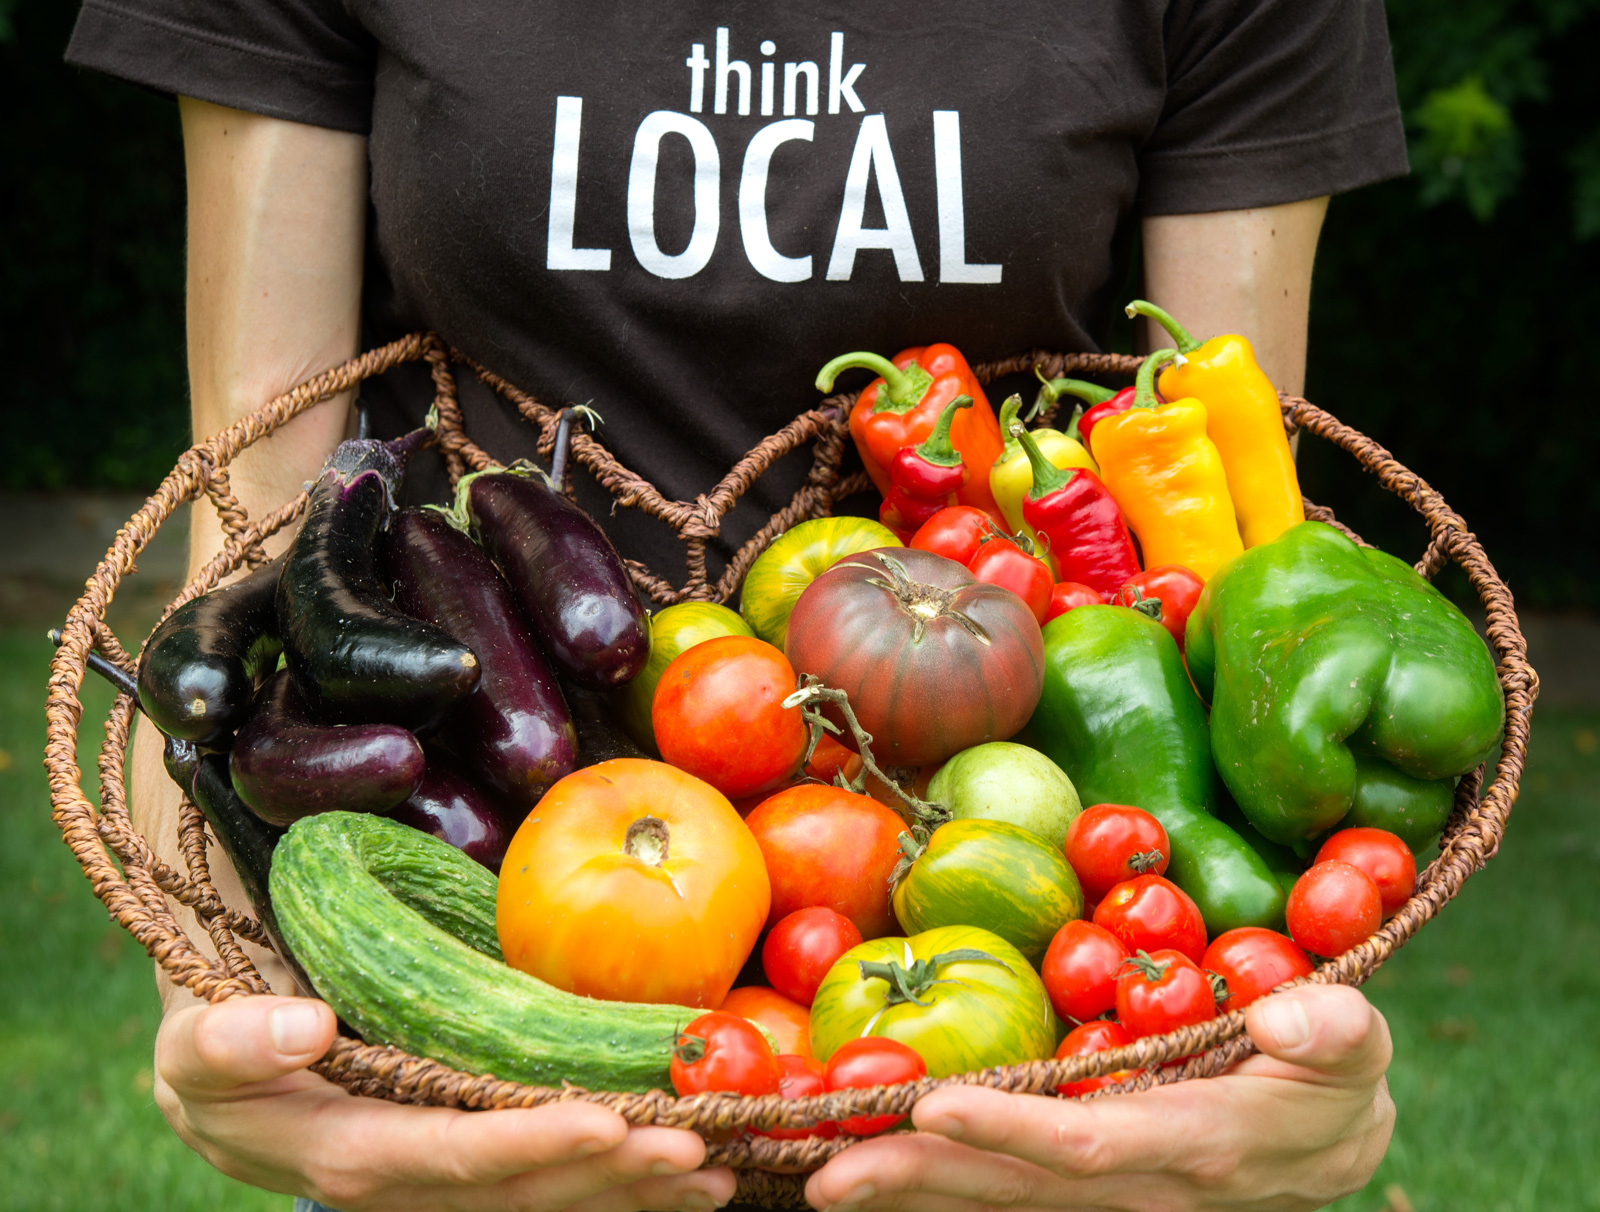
1109	843
831	847
956	533
1383	856
789	1022
802	1078
673	631
872	1060
718	713
635	882
1148	912
1252	961
797	557
1004	781
973	1000
1333	907
720	1051
1162	991
802	947
1089	1038
934	661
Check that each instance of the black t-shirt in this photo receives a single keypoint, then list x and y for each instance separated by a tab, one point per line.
679	211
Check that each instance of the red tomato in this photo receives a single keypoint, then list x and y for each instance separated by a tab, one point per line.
1080	970
831	758
802	947
1067	595
1332	907
788	1020
1382	855
831	847
802	1077
1174	586
720	1051
1253	962
956	533
718	714
1162	991
1001	562
1149	912
872	1060
1110	843
1087	1038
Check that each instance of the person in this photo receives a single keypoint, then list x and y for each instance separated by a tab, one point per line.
678	213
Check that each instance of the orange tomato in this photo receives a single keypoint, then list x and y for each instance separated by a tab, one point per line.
635	882
789	1022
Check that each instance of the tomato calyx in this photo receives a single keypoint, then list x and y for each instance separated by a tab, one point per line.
911	849
1147	965
1021	541
647	840
689	1048
922	601
1135	598
1219	985
906	982
1146	861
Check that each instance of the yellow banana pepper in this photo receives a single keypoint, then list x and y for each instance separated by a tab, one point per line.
1011	476
1243	419
1167	478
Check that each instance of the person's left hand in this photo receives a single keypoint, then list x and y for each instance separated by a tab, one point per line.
1295	1127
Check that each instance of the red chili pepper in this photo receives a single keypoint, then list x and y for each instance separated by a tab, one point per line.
1102	401
900	408
924	479
1075	515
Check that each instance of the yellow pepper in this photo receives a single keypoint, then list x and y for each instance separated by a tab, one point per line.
1243	419
1167	478
1011	476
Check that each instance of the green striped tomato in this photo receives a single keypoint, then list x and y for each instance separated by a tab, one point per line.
975	1012
993	874
796	558
673	631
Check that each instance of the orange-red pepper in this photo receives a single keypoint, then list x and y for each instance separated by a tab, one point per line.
902	405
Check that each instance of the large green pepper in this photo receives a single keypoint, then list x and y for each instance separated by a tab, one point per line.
1119	716
1338	677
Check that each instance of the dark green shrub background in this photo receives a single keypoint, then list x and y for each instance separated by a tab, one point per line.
1450	318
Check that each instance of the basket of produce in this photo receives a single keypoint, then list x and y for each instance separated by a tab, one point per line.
1095	735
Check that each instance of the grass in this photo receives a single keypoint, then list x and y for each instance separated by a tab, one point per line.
1492	1007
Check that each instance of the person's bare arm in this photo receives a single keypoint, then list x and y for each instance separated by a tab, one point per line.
1239	271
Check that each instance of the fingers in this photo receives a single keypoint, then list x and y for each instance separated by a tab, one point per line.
929	1174
207	1051
1332	1031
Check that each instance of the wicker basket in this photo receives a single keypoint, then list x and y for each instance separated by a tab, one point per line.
136	886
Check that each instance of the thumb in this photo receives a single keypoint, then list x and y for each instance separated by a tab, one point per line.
208	1050
1330	1030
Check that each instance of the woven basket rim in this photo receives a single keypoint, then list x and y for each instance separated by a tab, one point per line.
103	838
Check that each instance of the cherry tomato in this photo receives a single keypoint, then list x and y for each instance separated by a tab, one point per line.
1162	991
1149	912
1332	907
1001	562
1382	855
718	714
720	1051
802	947
872	1060
787	1020
1080	970
955	532
1067	595
1086	1038
1173	585
1110	843
802	1077
1253	962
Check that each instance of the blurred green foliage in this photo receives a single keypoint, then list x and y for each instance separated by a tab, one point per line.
1450	313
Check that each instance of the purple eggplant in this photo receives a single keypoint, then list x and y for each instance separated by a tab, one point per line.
198	672
452	807
354	654
285	765
514	732
566	575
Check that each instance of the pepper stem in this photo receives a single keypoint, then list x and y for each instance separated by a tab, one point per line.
1144	393
1008	413
902	389
1142	307
936	448
1047	477
1072	430
1051	390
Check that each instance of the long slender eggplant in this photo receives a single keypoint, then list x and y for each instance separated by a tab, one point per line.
600	736
566	575
354	654
284	765
452	807
199	669
513	731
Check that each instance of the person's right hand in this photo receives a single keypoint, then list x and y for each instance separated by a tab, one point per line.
231	1078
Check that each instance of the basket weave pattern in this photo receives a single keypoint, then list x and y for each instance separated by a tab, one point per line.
136	886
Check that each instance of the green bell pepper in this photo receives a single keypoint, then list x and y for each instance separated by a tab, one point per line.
1339	678
1119	716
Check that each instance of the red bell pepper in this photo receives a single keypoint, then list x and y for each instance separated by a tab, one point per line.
899	409
923	479
1075	515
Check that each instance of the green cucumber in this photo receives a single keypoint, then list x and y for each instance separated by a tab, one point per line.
396	930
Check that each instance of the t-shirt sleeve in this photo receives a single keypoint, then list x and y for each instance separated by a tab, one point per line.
301	60
1271	101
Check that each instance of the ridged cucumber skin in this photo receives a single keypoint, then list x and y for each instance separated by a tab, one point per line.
354	895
